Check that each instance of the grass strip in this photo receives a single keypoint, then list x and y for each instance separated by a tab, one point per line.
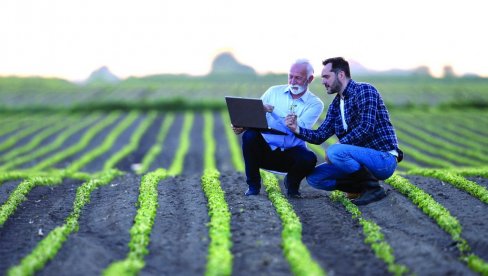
422	157
25	174
234	146
15	175
106	145
426	142
143	225
133	144
373	235
83	143
48	247
219	258
13	123
157	147
177	166
11	141
295	251
34	142
47	148
442	217
19	194
456	180
470	142
479	171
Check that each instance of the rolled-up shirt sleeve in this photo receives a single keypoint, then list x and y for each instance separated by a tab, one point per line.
322	133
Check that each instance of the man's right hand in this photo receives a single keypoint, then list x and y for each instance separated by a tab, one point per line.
291	123
237	130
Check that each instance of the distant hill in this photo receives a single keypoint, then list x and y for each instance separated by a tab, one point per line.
226	64
102	75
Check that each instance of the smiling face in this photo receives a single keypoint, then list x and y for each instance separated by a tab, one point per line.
298	79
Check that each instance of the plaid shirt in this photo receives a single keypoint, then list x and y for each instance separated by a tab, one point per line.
366	116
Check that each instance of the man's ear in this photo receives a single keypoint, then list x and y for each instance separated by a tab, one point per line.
310	79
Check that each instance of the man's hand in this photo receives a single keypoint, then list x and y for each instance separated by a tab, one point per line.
268	108
291	123
237	130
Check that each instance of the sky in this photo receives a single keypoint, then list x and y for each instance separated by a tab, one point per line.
70	39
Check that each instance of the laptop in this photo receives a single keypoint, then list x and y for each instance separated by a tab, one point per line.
249	113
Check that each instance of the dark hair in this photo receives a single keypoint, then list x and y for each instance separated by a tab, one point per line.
338	64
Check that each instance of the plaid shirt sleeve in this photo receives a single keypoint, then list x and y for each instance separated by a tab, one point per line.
325	130
367	118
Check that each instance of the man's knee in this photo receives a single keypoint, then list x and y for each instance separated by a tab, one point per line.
251	139
250	135
318	182
307	160
313	181
333	151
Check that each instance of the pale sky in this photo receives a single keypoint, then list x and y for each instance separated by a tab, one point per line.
70	39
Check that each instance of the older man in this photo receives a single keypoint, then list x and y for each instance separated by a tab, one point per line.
283	153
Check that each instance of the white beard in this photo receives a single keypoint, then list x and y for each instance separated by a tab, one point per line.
297	89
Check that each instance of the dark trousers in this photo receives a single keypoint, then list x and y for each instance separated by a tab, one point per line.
297	162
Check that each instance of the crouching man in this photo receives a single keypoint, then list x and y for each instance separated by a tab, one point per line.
367	150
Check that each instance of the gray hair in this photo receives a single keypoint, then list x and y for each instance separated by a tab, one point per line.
307	63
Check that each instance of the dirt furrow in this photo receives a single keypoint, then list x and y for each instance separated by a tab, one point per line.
417	241
179	239
45	208
256	230
471	213
121	141
333	238
103	235
147	140
170	145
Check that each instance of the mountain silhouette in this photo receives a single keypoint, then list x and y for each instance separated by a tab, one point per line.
102	75
226	64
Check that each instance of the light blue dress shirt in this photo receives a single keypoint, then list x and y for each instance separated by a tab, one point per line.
307	108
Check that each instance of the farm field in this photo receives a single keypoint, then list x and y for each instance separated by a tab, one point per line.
161	193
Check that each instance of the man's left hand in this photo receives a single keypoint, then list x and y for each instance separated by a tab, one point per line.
268	108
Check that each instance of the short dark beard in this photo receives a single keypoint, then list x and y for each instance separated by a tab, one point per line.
335	87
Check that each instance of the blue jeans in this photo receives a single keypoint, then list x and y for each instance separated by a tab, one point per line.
347	159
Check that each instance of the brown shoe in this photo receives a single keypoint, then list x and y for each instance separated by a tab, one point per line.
352	195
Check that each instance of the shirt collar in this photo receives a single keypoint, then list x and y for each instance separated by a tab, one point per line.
349	88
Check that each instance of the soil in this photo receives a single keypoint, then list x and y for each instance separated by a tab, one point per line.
179	240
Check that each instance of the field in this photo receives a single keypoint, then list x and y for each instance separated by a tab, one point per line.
160	192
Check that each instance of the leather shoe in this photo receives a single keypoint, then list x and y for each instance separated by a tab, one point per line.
252	191
352	195
370	195
293	195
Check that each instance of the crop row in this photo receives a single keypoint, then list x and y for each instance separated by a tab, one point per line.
443	218
425	144
219	256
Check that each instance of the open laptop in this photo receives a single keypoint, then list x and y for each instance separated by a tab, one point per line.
249	113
